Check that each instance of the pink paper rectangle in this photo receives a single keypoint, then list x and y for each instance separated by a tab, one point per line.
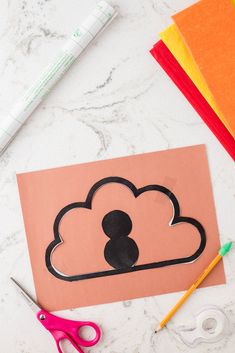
145	188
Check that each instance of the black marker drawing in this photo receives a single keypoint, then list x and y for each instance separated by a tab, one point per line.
121	251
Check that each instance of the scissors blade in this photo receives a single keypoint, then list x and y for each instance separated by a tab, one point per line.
26	296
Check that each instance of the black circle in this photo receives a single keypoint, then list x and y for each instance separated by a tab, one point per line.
117	224
121	252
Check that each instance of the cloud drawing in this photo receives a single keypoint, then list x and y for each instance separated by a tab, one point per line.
122	251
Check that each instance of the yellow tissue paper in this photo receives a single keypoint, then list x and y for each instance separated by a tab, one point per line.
172	39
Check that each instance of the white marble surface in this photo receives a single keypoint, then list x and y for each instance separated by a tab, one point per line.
116	101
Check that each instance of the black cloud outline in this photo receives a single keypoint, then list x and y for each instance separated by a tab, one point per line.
136	192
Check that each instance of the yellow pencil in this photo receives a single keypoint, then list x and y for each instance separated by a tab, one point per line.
224	250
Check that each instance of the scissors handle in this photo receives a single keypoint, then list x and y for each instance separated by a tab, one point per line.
59	336
62	329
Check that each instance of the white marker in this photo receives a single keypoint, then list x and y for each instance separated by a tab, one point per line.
89	29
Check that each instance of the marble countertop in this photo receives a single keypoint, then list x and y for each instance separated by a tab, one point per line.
115	101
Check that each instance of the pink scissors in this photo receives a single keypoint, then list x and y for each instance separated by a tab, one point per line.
61	329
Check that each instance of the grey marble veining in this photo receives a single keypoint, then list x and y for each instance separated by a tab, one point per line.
114	101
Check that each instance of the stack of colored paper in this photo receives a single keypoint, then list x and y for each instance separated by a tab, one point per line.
198	53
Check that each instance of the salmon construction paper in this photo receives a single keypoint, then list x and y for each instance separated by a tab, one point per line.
171	66
102	220
208	30
173	40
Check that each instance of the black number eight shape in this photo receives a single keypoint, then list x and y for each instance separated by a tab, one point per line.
120	251
121	264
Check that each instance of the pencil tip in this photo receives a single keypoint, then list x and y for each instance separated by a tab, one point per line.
158	329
